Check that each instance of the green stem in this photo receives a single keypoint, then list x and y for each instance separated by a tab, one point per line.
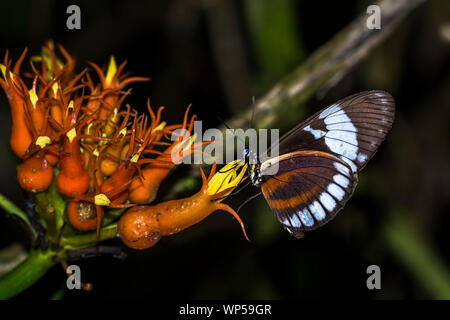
419	257
11	208
284	103
83	240
26	273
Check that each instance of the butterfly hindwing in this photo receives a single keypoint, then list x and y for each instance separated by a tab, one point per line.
352	129
310	187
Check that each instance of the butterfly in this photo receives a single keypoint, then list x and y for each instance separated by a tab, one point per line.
318	160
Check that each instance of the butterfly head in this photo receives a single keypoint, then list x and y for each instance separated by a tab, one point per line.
254	172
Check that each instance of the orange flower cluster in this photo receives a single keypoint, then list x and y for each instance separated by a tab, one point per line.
105	153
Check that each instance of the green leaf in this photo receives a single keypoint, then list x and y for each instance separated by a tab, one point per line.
11	208
26	273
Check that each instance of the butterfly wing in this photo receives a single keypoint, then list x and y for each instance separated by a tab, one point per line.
351	129
309	189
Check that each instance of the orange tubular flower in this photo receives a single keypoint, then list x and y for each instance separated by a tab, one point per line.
20	135
142	227
111	157
73	178
143	190
140	138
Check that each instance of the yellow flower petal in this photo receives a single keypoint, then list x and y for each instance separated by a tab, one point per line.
102	200
227	178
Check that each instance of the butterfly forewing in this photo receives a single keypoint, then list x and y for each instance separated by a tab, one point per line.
308	190
352	129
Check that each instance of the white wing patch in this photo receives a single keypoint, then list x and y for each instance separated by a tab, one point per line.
336	191
340	136
341	168
342	141
327	201
306	217
329	110
317	211
295	221
350	163
315	132
362	157
341	180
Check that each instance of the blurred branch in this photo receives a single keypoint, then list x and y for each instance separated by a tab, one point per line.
326	67
418	256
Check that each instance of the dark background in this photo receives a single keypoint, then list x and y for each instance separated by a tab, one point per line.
216	55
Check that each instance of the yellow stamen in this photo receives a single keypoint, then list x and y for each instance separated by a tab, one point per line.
70	106
102	200
135	158
33	97
102	142
112	69
71	134
182	149
160	126
3	69
189	143
42	141
95	152
123	132
55	88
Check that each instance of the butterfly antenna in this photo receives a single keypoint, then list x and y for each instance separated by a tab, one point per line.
229	128
224	123
248	200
